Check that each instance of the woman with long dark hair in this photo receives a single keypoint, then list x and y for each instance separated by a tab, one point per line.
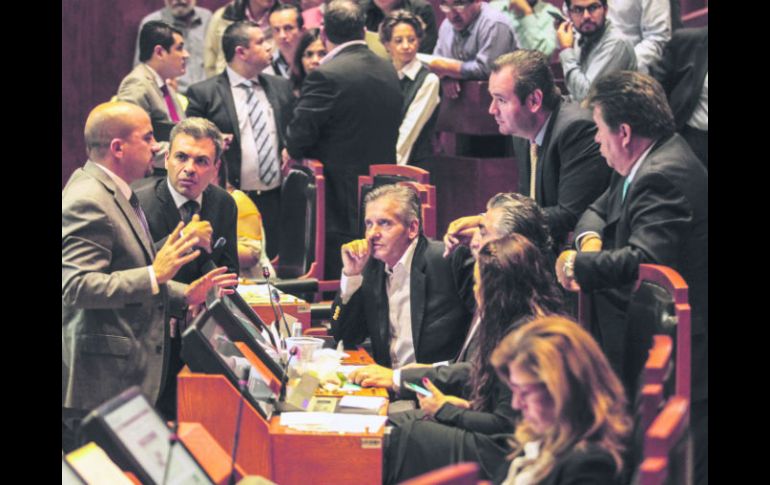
307	58
468	419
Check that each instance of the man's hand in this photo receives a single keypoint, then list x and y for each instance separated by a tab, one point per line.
432	404
444	67
286	162
202	230
460	231
565	35
520	7
372	376
450	88
355	255
174	254
228	140
195	293
565	270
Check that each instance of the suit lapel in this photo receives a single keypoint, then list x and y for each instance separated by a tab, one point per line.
125	208
169	213
417	292
223	87
542	155
379	297
702	63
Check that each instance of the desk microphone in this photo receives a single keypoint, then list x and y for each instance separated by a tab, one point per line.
277	299
242	383
266	274
172	439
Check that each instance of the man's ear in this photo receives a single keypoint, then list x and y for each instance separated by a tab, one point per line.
158	50
625	133
535	101
413	229
116	147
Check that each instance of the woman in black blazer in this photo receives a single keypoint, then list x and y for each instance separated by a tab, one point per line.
574	422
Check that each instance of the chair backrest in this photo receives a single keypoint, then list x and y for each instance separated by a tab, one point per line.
668	447
302	222
459	474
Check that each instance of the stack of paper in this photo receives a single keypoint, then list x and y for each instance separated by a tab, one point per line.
333	423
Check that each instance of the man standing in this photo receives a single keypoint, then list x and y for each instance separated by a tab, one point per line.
117	291
646	24
163	56
287	26
348	118
254	108
398	289
559	163
654	211
191	21
471	37
532	21
600	48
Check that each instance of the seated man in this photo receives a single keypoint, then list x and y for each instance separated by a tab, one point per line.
471	37
599	50
397	289
507	213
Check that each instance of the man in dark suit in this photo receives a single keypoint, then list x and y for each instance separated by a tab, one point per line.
347	117
551	135
683	72
654	211
117	291
399	290
254	108
187	194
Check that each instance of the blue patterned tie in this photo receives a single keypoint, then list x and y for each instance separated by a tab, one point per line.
268	160
626	183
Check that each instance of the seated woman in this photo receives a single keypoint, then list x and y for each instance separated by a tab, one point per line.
513	285
574	422
310	51
401	33
251	237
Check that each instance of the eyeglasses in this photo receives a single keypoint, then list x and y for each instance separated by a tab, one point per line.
578	10
458	7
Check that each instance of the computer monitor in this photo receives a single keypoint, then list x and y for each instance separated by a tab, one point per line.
208	347
134	435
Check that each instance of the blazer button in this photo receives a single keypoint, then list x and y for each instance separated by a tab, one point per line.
158	349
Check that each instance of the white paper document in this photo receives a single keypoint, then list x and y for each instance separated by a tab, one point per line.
362	402
333	423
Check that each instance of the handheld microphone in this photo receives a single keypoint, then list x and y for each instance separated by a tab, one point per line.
277	299
285	378
270	289
242	383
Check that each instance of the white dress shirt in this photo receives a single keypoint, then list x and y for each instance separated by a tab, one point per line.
419	112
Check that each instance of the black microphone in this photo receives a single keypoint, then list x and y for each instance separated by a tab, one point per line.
172	439
266	274
277	299
284	379
242	383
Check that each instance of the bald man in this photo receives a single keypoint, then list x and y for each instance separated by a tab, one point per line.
117	290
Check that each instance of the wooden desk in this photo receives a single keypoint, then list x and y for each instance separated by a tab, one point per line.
284	455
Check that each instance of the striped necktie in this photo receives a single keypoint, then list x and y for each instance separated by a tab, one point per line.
268	159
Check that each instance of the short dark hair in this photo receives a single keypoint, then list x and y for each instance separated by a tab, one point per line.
569	3
155	33
236	34
521	215
279	7
635	99
532	72
400	17
344	21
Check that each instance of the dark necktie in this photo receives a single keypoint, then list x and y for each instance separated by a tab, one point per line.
189	209
134	201
170	104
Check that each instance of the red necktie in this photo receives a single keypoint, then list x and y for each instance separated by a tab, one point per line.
170	104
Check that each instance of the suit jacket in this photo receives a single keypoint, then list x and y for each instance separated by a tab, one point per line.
663	220
571	173
113	327
591	464
441	297
217	207
347	116
212	99
682	70
139	87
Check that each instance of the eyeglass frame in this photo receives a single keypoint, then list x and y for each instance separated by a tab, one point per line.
580	10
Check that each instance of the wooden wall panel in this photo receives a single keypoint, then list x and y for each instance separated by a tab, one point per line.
98	40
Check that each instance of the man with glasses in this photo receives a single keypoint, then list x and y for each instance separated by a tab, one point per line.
471	37
600	48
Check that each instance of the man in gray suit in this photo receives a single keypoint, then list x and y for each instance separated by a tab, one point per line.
117	291
162	57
